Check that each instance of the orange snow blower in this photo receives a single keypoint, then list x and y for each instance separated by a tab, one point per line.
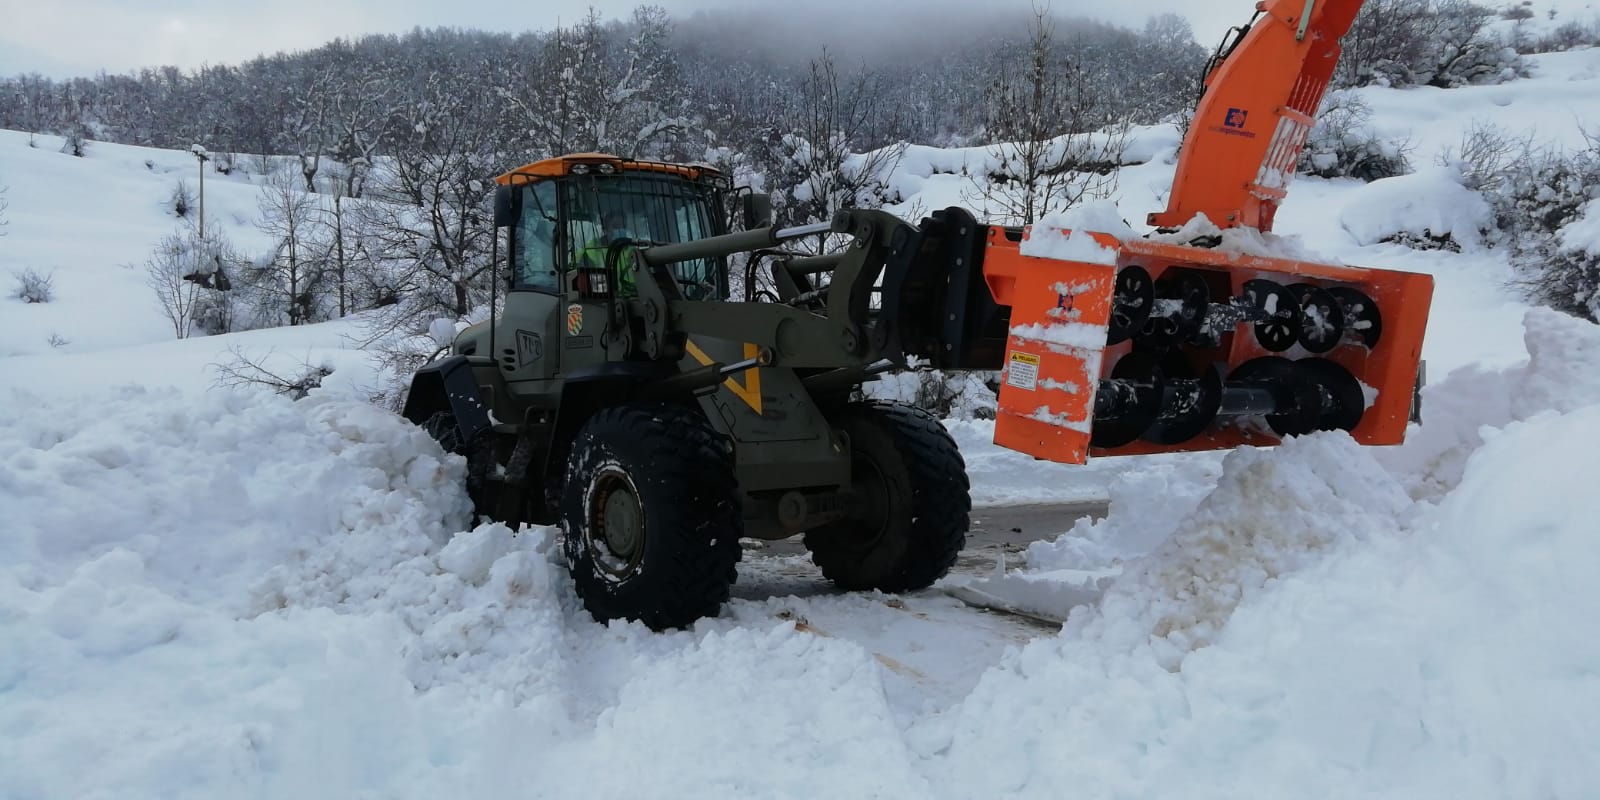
1183	341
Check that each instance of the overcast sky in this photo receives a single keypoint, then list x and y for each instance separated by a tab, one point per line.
63	38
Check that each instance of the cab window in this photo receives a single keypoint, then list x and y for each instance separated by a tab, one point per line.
646	208
533	242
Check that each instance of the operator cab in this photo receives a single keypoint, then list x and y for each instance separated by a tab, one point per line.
571	218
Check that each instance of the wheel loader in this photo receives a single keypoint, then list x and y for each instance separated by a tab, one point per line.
659	405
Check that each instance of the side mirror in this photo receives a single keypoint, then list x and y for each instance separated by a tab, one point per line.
505	206
757	210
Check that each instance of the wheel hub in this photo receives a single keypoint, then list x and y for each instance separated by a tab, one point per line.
616	526
873	490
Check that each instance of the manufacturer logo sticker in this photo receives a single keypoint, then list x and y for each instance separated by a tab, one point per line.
1233	124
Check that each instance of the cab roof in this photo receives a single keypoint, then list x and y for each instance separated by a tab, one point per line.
600	162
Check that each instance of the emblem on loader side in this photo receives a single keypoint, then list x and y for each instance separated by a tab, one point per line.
574	319
749	390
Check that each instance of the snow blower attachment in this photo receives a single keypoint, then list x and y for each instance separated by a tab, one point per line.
1156	347
1120	345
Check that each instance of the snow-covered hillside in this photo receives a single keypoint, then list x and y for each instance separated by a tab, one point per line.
223	593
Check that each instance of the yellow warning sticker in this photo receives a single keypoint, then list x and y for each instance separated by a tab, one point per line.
1023	371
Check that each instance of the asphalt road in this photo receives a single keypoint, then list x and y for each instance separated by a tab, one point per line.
995	530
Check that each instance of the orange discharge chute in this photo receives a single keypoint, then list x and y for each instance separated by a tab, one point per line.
1259	105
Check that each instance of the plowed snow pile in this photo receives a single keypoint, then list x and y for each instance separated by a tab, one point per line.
1311	629
258	598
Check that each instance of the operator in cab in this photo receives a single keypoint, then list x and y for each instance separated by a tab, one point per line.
593	254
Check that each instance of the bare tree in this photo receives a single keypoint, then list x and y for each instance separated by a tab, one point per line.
1047	154
309	131
289	283
244	370
3	206
820	157
430	238
177	295
618	89
333	235
189	277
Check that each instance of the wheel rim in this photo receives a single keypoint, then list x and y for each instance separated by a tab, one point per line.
616	526
873	489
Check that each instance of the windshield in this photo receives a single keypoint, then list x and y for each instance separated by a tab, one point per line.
657	209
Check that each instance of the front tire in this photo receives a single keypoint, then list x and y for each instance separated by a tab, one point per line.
915	503
650	513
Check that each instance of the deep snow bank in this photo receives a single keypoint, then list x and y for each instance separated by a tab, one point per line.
257	598
1307	627
248	597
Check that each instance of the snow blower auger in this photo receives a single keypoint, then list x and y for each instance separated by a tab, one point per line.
624	394
1166	348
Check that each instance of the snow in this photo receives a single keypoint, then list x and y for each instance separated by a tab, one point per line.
1240	241
1431	202
1080	335
1583	235
1066	235
1068	245
1429	656
1551	107
212	592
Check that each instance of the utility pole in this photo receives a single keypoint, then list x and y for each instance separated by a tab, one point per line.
200	153
338	240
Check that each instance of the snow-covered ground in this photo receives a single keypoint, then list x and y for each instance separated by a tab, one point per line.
213	593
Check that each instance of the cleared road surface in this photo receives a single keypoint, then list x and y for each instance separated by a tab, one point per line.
995	530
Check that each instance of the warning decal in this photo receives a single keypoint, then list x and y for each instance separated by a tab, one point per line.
1022	371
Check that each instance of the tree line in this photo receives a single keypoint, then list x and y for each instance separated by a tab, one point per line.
375	153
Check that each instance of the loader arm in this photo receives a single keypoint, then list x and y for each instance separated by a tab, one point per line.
1258	106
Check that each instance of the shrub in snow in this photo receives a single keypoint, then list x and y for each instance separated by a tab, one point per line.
1548	211
182	198
1442	43
1344	145
75	145
1566	276
32	287
1570	36
189	276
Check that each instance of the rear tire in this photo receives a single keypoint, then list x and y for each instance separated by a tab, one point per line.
916	501
651	518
